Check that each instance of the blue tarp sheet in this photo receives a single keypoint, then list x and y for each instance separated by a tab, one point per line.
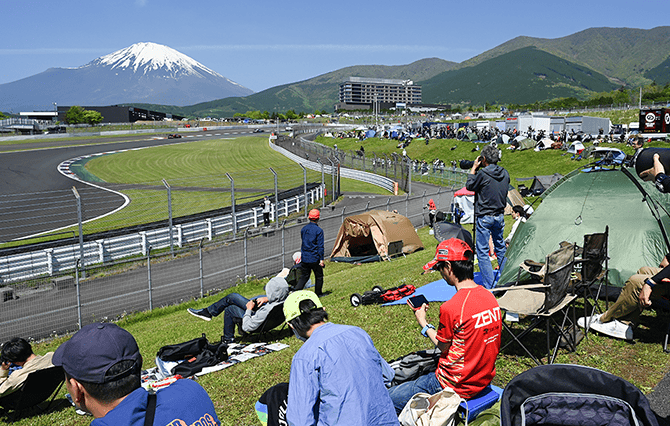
437	291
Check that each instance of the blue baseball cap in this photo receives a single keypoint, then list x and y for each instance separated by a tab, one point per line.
94	349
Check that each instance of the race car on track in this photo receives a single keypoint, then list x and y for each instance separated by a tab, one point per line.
174	136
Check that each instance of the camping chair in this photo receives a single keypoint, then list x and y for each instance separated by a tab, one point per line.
573	395
38	387
275	319
548	301
593	261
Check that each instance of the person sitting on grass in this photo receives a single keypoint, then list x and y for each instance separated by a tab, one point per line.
468	334
648	284
337	376
251	312
18	360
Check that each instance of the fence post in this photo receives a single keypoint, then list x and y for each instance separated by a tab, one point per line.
343	209
304	186
81	233
246	259
232	203
50	260
388	204
76	279
202	281
283	244
423	203
332	174
149	277
323	184
275	215
169	197
407	205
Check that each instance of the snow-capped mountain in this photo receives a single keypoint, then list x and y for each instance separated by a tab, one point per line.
143	72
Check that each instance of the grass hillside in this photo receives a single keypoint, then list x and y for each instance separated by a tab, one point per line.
521	76
622	54
393	330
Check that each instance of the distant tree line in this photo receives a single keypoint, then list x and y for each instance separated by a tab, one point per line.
79	115
652	93
288	115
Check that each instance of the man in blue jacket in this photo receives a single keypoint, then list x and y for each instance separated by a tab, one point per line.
312	253
103	368
490	185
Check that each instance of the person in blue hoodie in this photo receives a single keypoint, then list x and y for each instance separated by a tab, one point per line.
490	183
251	313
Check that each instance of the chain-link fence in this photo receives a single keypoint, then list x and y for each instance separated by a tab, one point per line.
62	303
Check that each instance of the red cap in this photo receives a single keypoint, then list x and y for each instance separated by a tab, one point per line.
450	250
314	214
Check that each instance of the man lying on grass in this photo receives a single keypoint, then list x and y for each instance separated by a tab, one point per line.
468	333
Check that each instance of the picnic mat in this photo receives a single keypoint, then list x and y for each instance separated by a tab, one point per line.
437	291
160	375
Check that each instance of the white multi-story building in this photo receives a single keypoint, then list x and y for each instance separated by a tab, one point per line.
364	93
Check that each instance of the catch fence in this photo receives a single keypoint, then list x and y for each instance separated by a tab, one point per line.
62	303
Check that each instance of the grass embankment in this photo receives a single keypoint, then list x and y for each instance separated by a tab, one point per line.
393	330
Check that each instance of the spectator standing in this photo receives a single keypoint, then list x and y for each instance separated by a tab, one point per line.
490	185
103	369
312	253
266	211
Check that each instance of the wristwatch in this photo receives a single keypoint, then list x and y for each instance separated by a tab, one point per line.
649	283
424	331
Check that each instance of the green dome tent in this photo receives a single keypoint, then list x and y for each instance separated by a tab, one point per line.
584	203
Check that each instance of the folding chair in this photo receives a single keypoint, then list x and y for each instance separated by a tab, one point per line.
548	302
38	387
274	319
593	261
573	395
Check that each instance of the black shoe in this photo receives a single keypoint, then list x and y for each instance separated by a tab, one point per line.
203	313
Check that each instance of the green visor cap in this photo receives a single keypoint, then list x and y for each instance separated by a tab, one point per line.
292	303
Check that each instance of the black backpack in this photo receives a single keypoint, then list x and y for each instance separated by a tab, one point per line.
197	353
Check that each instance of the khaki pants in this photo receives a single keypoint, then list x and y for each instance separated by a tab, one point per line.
627	306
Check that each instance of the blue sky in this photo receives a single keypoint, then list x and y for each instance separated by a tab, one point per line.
261	44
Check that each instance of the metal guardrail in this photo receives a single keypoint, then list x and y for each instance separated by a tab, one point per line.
58	260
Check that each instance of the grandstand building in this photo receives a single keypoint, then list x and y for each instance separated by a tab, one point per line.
363	93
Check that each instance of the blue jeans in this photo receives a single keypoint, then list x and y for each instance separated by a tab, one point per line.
403	392
489	226
233	307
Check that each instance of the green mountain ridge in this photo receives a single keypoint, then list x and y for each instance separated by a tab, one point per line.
521	76
527	70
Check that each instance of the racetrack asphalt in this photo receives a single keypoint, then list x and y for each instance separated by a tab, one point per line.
32	168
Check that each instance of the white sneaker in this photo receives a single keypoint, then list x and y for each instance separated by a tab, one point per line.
511	317
614	328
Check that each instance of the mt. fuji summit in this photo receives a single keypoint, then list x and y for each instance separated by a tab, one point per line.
142	73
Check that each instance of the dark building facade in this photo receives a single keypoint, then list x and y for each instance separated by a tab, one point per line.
122	114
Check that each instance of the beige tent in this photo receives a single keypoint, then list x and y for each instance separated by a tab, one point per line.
370	234
513	199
